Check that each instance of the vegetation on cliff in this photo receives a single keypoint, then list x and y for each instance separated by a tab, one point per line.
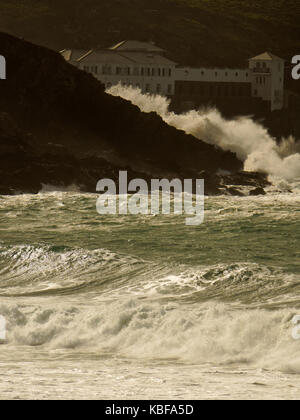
207	32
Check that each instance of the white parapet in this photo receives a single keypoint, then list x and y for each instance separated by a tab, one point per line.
2	68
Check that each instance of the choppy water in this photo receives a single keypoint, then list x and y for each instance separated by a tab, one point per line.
146	307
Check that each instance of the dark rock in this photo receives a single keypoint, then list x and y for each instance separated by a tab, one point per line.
257	191
235	192
55	122
5	190
60	104
251	179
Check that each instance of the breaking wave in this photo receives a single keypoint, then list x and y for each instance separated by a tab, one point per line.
249	140
212	332
223	314
28	270
82	288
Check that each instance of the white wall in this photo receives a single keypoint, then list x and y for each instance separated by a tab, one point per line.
213	75
268	81
277	84
262	86
163	84
2	68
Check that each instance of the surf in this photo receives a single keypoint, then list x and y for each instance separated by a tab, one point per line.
248	139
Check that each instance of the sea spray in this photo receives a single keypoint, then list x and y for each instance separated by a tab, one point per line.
249	140
144	308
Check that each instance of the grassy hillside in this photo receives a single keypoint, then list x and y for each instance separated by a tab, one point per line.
208	32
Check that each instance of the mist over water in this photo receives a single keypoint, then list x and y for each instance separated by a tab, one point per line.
249	140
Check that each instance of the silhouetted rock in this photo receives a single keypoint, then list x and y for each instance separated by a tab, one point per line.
235	192
257	191
59	127
251	179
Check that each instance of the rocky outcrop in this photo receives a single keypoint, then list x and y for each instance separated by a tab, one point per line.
257	191
59	127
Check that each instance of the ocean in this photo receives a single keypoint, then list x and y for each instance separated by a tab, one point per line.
145	307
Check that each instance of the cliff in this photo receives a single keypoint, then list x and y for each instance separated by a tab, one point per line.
58	125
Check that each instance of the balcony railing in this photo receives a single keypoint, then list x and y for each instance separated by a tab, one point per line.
262	70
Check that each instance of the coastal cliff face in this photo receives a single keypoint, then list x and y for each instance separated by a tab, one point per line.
58	126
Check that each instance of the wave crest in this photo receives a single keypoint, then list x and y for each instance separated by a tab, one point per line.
249	140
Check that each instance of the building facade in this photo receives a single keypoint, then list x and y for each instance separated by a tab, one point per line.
267	72
130	63
145	66
259	85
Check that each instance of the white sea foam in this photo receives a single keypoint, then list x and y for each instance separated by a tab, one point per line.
249	140
210	332
157	311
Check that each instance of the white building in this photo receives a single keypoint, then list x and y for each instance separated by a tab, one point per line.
264	77
267	72
145	66
134	63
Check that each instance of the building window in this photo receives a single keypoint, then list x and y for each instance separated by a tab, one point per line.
94	69
118	71
170	89
106	69
149	72
142	71
216	74
170	72
163	72
136	71
153	72
226	74
202	73
159	72
147	88
247	74
158	88
236	74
